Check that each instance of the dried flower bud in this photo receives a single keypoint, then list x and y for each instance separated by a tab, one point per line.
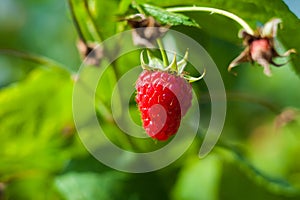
260	47
145	30
92	53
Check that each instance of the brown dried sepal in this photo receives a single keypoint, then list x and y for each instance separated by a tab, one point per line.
146	30
260	47
90	53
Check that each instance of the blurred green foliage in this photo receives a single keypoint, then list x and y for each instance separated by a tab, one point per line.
41	156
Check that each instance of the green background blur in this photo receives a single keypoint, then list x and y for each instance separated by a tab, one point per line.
41	156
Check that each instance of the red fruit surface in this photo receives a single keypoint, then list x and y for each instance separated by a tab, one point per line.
163	99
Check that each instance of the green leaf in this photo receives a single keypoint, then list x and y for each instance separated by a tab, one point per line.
36	130
165	17
32	187
199	179
123	6
105	14
271	183
36	111
89	185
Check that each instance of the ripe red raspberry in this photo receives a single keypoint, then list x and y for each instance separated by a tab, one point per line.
163	99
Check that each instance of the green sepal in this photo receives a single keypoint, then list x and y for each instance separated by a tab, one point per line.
153	62
194	79
175	67
182	63
144	65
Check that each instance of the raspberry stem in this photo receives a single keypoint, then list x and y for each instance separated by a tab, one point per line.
163	52
40	60
137	6
94	30
230	15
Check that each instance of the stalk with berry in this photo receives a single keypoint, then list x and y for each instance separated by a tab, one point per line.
164	95
163	91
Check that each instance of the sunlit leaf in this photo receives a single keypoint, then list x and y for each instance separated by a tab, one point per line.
168	18
88	185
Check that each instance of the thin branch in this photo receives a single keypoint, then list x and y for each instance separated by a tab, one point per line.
76	22
88	10
230	15
242	97
250	98
35	59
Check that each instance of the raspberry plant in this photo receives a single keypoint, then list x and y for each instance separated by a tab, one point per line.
41	155
164	96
